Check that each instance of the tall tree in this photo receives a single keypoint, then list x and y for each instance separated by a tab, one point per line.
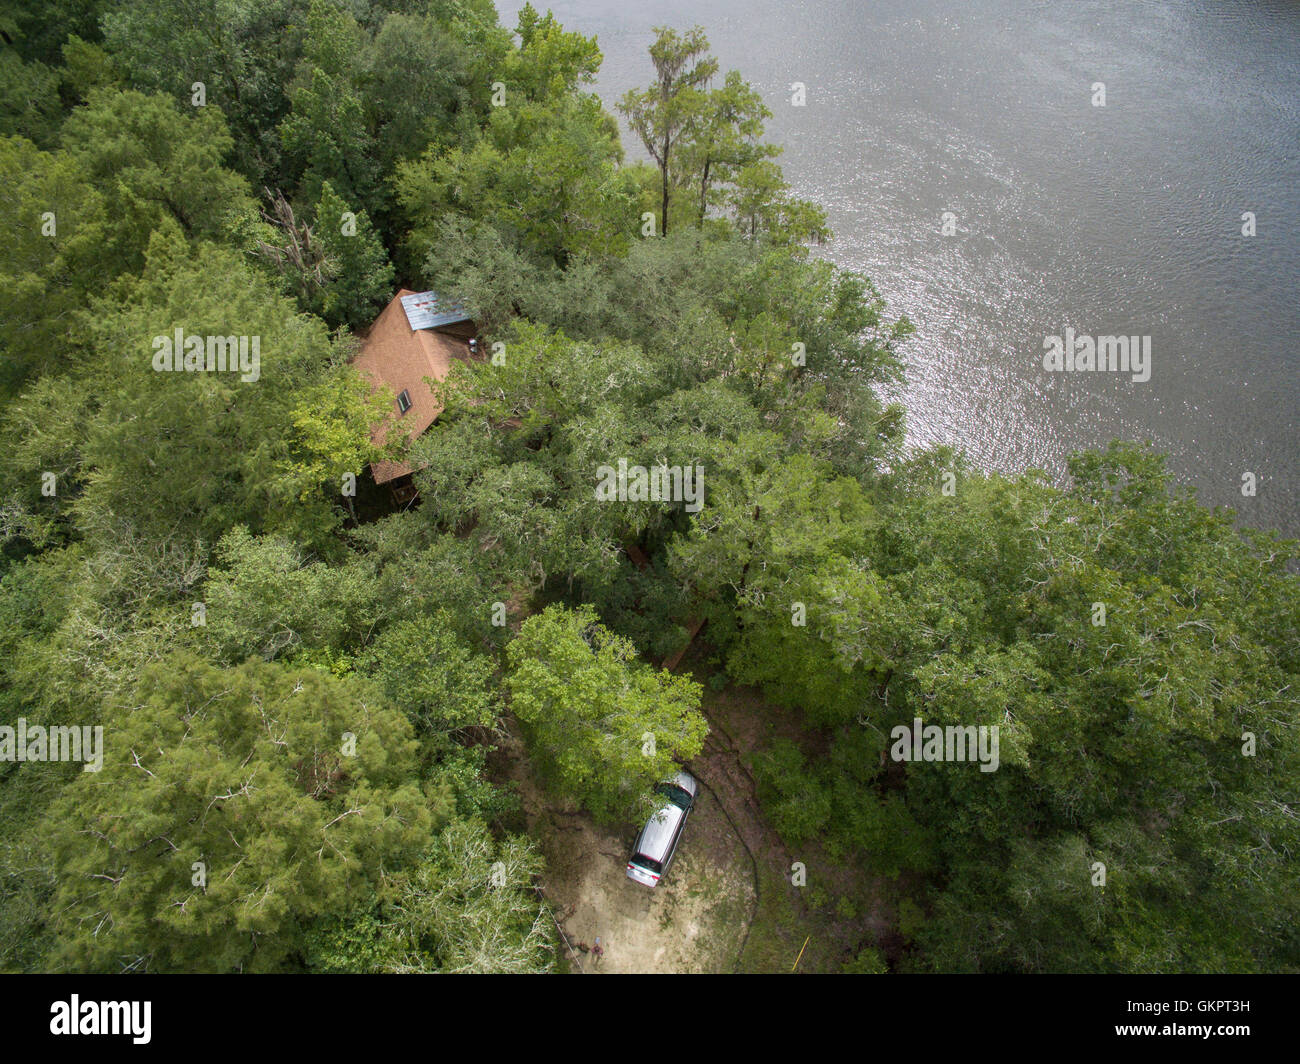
170	450
674	106
362	276
56	255
242	54
606	726
154	164
545	173
726	139
325	135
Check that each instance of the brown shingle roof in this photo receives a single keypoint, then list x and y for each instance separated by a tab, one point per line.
400	357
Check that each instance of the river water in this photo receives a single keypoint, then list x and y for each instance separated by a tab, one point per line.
1123	219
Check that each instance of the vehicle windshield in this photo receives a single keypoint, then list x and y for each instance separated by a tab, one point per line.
648	863
675	794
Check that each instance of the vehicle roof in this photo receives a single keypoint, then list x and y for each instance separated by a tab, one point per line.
657	834
686	782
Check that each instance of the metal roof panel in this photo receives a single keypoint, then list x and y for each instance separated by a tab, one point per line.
428	310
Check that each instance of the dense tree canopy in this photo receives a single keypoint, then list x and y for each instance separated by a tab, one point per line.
285	787
303	688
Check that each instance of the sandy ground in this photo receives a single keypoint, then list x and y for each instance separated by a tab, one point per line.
694	921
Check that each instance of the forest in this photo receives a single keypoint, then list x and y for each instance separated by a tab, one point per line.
304	690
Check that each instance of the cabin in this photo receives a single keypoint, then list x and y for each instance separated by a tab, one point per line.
416	336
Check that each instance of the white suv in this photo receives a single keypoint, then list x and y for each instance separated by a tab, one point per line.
657	843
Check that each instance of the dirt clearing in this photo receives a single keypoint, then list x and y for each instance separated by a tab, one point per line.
695	921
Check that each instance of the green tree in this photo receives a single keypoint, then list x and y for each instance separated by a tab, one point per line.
362	276
607	727
206	450
467	907
761	204
231	812
29	99
243	54
55	259
545	176
550	62
265	597
425	670
675	105
325	135
420	88
155	166
726	140
545	173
